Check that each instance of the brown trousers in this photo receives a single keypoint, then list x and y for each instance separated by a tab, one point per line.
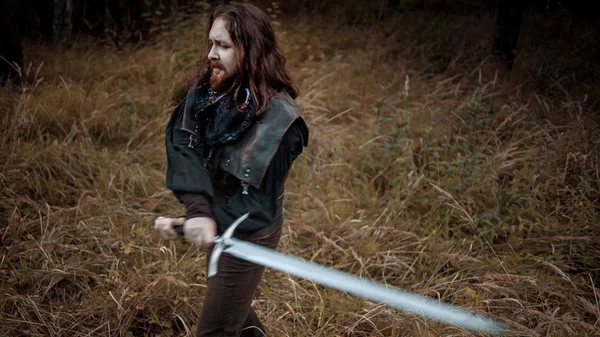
226	311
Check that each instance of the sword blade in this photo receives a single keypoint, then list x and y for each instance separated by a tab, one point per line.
392	296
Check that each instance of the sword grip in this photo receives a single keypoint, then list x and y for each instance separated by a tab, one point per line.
179	229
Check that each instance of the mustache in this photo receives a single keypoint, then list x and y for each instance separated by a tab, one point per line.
216	65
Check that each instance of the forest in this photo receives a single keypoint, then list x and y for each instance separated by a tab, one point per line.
454	152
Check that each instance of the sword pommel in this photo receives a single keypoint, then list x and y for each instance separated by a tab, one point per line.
222	242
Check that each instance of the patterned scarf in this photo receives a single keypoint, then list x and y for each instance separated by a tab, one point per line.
226	120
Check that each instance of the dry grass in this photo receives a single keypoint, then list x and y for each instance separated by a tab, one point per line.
428	169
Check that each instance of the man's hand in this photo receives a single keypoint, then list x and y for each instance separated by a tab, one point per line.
165	227
200	231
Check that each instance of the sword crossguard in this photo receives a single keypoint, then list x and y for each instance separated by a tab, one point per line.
221	243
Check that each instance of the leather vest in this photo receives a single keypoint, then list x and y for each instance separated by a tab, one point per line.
246	159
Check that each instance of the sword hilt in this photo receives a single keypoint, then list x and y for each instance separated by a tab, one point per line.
221	242
178	229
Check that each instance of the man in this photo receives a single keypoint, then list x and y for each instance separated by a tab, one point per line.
230	145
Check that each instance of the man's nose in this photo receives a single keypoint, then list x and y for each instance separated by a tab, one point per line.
212	54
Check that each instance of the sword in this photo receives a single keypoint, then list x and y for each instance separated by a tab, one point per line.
333	278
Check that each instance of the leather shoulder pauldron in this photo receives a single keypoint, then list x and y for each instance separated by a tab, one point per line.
249	157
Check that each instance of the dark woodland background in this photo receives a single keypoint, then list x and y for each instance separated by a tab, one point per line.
454	152
132	21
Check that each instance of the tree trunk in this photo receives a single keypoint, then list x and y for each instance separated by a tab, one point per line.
393	4
174	10
11	49
62	25
508	23
89	16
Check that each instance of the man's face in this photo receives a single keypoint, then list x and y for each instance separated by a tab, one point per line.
222	55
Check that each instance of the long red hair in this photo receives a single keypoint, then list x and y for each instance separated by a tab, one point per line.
261	66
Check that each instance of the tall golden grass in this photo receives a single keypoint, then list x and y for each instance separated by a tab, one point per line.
429	168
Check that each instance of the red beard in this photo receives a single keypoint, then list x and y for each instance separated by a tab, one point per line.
221	80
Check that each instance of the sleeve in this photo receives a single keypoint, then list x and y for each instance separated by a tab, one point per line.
186	175
261	202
